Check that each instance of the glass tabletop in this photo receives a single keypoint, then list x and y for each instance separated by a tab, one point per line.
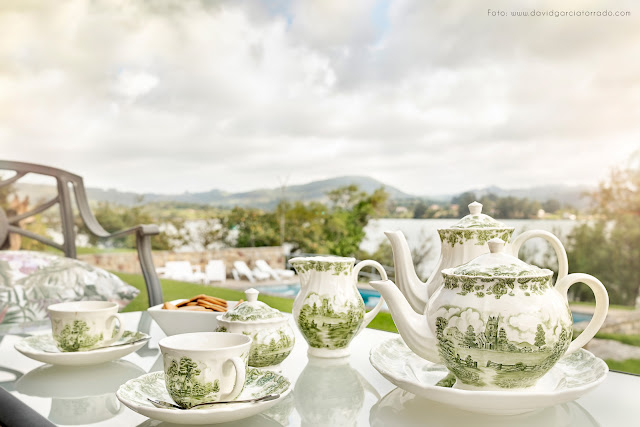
338	392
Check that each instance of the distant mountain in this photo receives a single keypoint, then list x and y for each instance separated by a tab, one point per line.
566	194
268	198
264	198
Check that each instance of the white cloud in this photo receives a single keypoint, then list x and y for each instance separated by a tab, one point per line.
431	97
524	326
462	319
132	84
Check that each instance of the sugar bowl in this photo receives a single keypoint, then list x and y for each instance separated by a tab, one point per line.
270	330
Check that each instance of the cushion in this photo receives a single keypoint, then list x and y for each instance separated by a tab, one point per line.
31	281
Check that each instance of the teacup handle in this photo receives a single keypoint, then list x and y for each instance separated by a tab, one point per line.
241	376
602	306
556	244
366	263
110	321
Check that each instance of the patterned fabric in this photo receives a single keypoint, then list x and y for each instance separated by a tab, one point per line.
31	281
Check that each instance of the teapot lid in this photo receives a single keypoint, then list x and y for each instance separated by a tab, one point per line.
497	263
251	310
476	219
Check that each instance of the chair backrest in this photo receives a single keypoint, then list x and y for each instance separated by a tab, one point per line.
263	265
242	267
215	270
178	267
65	182
215	264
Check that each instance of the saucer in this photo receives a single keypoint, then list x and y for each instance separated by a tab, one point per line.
43	349
134	394
401	408
569	379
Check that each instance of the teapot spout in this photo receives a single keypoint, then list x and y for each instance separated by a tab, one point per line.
413	327
414	290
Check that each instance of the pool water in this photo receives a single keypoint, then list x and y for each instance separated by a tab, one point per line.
370	297
581	317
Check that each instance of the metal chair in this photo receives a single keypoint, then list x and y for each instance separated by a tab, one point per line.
65	183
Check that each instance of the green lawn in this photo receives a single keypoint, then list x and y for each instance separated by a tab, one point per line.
611	306
172	289
629	365
623	338
95	250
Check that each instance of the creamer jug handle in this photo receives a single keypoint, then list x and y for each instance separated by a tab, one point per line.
368	317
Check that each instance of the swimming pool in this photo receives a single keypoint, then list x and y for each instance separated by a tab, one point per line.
581	317
369	296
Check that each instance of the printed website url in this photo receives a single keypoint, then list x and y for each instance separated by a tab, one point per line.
557	13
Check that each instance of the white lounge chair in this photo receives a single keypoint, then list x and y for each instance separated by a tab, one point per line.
240	268
183	271
276	273
215	271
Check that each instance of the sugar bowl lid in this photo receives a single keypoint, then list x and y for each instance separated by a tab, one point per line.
251	310
476	219
497	263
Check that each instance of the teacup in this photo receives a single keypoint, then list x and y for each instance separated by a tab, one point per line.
85	325
202	367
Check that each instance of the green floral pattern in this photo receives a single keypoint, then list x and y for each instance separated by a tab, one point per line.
46	343
499	286
327	324
269	346
76	337
258	383
336	268
512	270
478	221
394	359
184	386
459	236
246	312
487	356
272	350
31	281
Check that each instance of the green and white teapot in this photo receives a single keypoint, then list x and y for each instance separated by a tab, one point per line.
496	322
461	243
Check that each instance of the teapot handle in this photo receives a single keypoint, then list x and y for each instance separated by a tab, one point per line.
602	306
359	266
556	244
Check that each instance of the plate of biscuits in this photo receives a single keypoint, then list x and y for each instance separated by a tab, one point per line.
197	314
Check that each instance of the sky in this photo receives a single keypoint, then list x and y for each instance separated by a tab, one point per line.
429	96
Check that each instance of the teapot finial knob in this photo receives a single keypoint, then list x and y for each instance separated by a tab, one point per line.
252	295
475	208
496	245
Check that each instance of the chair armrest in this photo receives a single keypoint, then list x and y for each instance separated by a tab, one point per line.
142	230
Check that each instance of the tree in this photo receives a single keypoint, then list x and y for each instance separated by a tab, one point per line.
463	200
114	218
540	337
502	339
336	228
441	324
420	210
470	337
609	248
551	205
